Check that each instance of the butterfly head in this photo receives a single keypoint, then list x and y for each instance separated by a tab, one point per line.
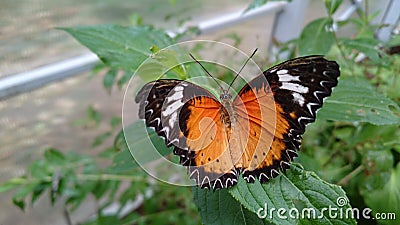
225	95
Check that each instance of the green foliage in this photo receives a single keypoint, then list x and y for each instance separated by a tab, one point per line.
297	189
387	198
120	47
93	118
332	5
356	100
257	3
221	207
354	144
320	32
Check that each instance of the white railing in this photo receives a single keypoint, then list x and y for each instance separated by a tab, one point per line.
287	25
36	78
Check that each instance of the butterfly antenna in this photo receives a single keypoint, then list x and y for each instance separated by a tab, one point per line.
237	74
205	70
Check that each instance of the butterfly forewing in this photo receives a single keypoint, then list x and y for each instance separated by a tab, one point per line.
189	118
299	87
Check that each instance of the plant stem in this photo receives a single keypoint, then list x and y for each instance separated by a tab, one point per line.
109	177
345	180
366	12
341	51
91	177
67	216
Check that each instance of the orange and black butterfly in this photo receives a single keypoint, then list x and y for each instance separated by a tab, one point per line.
255	134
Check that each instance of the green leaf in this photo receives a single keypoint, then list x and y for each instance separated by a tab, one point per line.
122	162
258	3
109	79
255	4
98	140
219	207
167	63
12	183
54	156
394	41
115	122
355	100
93	115
298	190
40	169
135	20
368	46
22	193
317	37
387	199
120	47
332	5
39	189
385	134
108	152
145	146
104	220
378	166
124	79
119	141
19	203
93	118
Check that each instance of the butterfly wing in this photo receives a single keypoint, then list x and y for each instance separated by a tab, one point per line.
189	118
298	88
207	137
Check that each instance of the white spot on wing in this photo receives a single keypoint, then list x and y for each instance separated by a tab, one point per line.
280	72
178	88
288	78
172	119
172	108
294	87
298	98
176	96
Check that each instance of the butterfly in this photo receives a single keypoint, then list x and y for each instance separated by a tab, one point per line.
256	134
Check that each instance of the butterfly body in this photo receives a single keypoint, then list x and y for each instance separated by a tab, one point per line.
227	110
255	134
